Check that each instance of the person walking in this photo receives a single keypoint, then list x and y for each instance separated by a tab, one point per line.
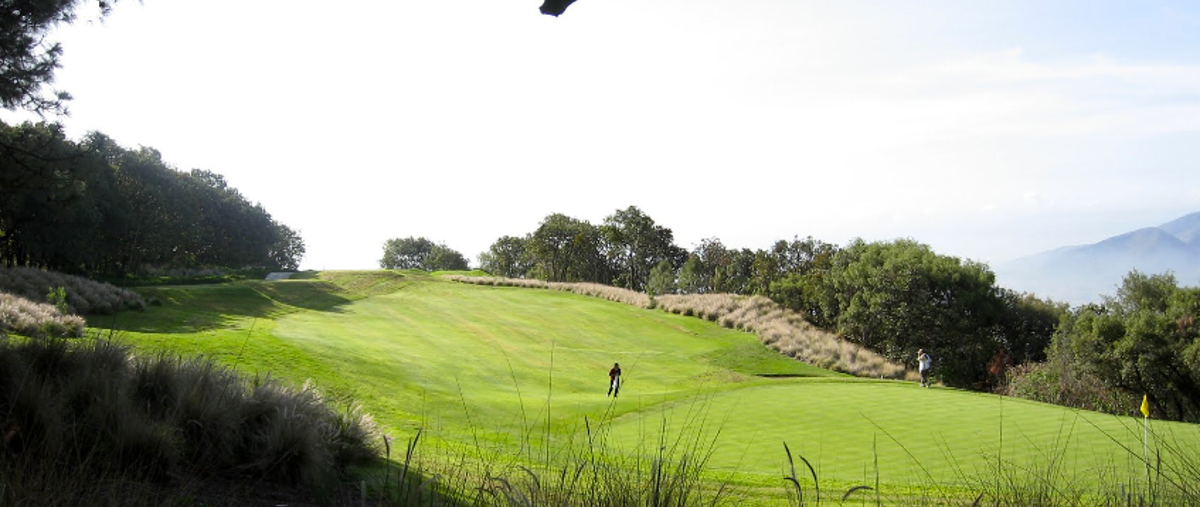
614	380
924	362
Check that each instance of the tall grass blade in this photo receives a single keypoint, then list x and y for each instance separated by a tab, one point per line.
920	465
408	455
854	490
245	342
799	492
387	467
791	463
816	487
875	453
792	475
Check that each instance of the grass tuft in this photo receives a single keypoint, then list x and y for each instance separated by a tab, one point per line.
91	411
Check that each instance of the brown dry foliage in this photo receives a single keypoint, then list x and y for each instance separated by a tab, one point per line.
608	292
783	330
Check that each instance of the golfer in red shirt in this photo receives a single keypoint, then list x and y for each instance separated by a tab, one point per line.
614	380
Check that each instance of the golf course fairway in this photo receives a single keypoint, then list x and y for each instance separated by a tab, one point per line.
514	372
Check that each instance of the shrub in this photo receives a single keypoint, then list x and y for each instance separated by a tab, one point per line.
25	317
1051	382
57	297
83	296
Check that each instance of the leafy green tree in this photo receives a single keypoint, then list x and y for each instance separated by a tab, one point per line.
1145	340
565	249
899	296
634	244
443	258
1026	326
288	250
699	271
420	253
808	294
804	287
764	270
692	276
662	279
732	275
507	257
405	253
802	255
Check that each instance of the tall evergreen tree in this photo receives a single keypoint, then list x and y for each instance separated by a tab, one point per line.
27	61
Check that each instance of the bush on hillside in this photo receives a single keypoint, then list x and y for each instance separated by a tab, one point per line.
84	296
92	411
1051	382
25	317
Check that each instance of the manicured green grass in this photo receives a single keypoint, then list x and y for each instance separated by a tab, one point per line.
416	354
517	372
930	437
502	352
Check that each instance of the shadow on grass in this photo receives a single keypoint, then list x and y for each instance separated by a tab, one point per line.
192	308
309	295
752	358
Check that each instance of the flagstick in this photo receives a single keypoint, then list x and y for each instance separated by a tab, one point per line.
1146	448
1146	437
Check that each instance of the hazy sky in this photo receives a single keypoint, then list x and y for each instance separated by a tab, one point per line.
988	130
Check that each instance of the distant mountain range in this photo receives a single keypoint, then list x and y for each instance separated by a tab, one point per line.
1082	274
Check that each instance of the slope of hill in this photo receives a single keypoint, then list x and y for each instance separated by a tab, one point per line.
1085	273
1186	228
515	375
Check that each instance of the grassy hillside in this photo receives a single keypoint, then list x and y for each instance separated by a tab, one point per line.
506	370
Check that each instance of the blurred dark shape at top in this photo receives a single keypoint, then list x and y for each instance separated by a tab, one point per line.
555	7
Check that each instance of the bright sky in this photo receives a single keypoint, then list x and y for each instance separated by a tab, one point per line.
988	130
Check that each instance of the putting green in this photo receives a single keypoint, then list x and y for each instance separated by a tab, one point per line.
920	436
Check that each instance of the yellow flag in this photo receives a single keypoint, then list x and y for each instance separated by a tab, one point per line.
1145	406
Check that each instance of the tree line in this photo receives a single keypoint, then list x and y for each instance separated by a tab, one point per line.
892	297
96	207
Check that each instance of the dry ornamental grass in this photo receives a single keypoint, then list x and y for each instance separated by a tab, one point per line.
84	296
25	317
